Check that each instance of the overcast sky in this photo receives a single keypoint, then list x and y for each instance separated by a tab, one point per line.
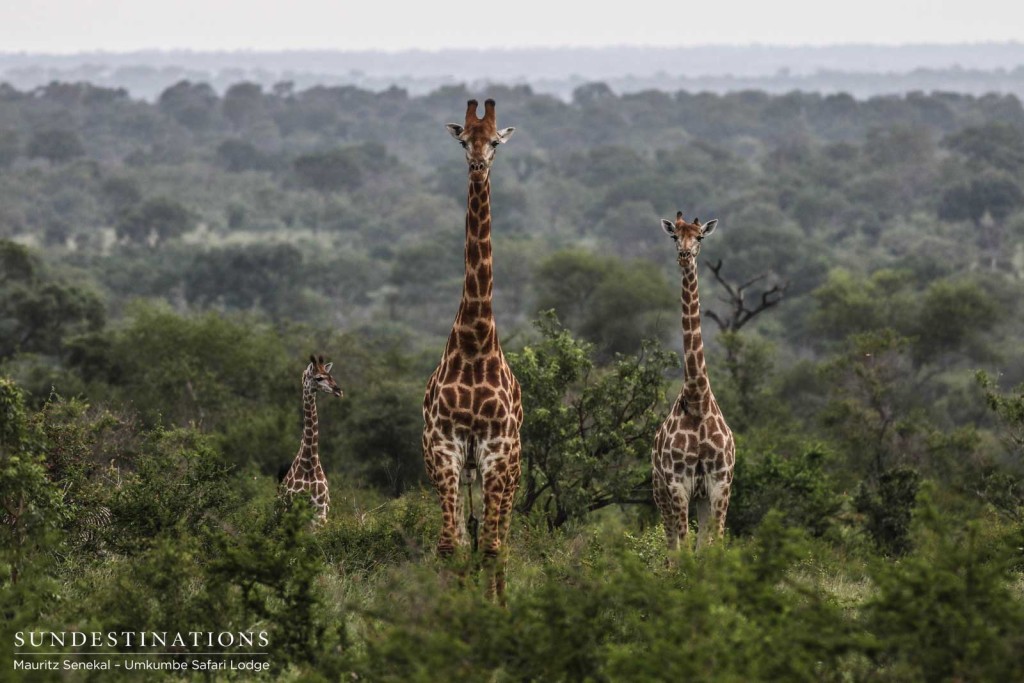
65	26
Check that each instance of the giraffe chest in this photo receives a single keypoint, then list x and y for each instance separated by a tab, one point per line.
478	396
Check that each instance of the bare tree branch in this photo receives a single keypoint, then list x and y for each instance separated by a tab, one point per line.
741	314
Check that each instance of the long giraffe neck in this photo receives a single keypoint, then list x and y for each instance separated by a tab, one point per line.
310	450
695	383
474	332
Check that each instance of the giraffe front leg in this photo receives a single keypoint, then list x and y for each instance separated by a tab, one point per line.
500	479
505	521
444	459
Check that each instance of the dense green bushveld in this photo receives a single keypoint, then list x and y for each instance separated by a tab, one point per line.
166	268
816	582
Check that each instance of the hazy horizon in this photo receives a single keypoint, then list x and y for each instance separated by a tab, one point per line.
860	70
1013	42
69	26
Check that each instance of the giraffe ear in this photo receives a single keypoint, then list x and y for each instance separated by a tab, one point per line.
455	129
505	134
312	359
327	368
709	227
669	227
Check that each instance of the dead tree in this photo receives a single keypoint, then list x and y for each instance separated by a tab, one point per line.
747	377
740	313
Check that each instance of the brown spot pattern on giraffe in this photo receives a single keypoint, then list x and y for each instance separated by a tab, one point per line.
306	475
694	450
472	399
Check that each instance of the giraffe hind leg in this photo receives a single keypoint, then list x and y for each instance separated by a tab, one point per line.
719	487
662	499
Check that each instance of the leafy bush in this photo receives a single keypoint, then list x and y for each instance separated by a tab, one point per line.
948	611
387	535
888	508
179	486
800	488
31	506
727	615
587	433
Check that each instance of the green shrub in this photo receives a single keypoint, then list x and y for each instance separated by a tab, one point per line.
728	614
799	487
391	533
31	506
180	485
272	579
948	612
888	507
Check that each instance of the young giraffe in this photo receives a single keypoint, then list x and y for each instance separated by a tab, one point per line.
306	474
472	410
694	451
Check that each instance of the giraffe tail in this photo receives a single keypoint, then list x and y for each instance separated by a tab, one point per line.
471	467
470	477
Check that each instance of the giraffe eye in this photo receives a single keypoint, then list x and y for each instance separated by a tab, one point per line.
465	145
495	143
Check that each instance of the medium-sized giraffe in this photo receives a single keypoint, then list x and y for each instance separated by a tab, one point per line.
472	409
306	475
694	451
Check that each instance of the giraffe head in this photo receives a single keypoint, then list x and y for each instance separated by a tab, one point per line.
480	138
688	236
318	376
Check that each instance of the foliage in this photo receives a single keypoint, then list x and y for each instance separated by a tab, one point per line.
177	487
744	389
208	370
1010	410
154	221
887	508
612	304
255	224
587	433
272	578
31	505
341	169
55	145
799	487
38	311
721	616
871	411
947	612
260	276
385	429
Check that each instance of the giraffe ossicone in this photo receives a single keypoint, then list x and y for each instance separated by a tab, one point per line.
472	409
306	474
694	451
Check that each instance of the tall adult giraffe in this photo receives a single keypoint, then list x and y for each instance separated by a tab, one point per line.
694	451
472	410
306	475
